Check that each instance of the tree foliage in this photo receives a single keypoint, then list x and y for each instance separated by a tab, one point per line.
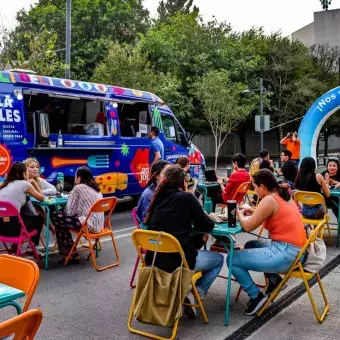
221	105
95	23
168	8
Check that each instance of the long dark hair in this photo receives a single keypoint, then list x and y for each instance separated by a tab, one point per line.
86	177
16	173
156	170
267	178
174	177
305	174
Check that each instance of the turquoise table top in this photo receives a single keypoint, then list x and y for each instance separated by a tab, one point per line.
50	201
335	192
221	229
208	184
8	293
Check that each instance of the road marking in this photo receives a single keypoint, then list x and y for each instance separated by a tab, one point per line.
125	229
123	235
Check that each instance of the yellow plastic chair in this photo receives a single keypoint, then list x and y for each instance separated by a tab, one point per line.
147	240
297	271
23	326
22	274
313	198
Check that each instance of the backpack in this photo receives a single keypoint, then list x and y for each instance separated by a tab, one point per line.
255	166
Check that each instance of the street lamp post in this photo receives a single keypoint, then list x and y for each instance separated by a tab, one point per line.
68	39
262	117
261	112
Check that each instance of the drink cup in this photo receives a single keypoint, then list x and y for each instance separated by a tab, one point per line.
232	205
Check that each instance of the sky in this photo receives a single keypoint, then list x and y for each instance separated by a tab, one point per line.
286	16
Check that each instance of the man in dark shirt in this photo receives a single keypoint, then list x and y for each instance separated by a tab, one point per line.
289	169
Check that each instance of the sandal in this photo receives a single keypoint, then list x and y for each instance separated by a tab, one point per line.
75	259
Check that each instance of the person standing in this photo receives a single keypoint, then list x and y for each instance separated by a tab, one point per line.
156	147
292	144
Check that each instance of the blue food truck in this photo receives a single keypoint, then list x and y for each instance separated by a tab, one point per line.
65	123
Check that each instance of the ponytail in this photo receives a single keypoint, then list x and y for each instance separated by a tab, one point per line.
267	178
283	193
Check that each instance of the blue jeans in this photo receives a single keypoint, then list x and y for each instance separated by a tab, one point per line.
210	264
267	257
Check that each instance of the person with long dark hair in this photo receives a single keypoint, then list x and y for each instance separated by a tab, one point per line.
278	213
332	174
177	212
146	197
16	189
308	180
84	194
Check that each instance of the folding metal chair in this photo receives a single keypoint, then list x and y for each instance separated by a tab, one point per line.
148	240
297	271
19	277
23	327
137	224
8	210
238	196
314	198
101	206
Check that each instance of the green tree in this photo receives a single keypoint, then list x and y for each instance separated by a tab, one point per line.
187	48
290	77
95	23
220	100
168	8
128	66
42	57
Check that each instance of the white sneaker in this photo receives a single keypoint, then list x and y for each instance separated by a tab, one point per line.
189	311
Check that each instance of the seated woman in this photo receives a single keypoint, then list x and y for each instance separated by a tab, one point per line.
280	216
33	168
146	197
81	198
178	213
15	189
308	180
42	186
184	163
332	177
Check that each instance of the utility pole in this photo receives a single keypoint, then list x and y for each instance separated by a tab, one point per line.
68	39
261	112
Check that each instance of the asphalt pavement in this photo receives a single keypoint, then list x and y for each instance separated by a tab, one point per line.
79	303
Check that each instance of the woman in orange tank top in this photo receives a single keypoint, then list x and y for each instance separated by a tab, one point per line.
280	216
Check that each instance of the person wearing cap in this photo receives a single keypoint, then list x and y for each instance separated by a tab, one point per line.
292	144
146	197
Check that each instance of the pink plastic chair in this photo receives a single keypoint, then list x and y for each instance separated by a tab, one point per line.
7	209
136	221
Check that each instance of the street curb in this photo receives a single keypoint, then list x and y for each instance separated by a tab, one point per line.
256	323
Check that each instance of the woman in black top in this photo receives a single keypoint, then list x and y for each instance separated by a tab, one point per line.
308	180
179	213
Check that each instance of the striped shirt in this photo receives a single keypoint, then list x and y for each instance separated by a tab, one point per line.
80	200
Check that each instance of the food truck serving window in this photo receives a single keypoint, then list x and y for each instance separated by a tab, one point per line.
72	115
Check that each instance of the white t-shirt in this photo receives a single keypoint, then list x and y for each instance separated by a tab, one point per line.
15	192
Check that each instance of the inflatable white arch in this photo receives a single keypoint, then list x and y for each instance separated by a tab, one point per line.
314	119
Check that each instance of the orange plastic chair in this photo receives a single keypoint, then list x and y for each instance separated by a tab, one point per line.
147	240
19	273
101	206
314	198
23	326
239	194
